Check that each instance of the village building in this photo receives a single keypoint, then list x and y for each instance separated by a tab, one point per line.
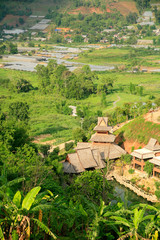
93	154
140	156
156	168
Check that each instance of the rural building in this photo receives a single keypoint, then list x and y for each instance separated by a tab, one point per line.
92	155
140	156
156	168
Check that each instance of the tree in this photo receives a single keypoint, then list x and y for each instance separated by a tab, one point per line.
19	111
23	85
91	184
79	134
149	168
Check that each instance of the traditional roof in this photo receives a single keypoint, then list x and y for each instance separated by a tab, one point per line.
74	160
102	138
68	168
98	159
110	151
143	153
83	159
155	160
103	121
102	128
153	145
81	145
86	158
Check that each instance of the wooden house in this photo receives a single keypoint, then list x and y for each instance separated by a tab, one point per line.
92	155
140	156
156	168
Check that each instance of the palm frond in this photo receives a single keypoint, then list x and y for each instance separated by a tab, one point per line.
44	228
30	197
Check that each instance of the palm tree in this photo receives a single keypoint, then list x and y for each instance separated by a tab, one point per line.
137	216
16	215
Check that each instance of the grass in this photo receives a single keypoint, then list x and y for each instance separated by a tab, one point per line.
44	118
120	56
140	130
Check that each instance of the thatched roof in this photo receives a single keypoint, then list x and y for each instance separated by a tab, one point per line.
103	121
155	161
74	160
143	153
81	145
102	125
98	159
109	151
153	145
86	158
102	128
68	168
102	138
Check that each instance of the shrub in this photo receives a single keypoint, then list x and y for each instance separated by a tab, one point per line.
133	180
68	146
148	188
131	171
157	193
157	184
127	158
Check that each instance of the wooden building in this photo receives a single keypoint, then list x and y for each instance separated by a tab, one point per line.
156	168
140	156
93	154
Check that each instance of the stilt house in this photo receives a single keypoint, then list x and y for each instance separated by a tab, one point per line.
150	151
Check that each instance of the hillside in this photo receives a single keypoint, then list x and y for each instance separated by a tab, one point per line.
138	132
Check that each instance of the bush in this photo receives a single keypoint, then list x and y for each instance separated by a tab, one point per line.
133	180
148	188
157	184
131	171
68	146
127	158
157	193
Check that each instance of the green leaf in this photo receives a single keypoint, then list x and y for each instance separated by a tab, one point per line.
44	228
1	234
30	197
17	199
14	235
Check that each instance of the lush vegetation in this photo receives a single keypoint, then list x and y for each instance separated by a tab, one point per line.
140	130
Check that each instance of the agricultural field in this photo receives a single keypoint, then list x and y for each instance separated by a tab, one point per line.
127	57
44	118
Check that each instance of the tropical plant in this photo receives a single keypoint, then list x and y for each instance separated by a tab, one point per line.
17	215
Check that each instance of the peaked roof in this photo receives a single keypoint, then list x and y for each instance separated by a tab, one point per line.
86	158
74	160
110	151
153	144
102	125
83	159
102	138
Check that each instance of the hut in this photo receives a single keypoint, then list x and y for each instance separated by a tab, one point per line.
140	156
156	168
92	155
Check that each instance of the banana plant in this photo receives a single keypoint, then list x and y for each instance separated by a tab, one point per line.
16	215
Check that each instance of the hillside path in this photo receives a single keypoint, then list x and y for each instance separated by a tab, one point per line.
115	103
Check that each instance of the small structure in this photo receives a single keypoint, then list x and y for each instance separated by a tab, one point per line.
140	156
156	168
92	155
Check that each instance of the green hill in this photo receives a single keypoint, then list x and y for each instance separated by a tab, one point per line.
139	130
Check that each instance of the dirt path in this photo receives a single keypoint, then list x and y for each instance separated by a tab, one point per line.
114	103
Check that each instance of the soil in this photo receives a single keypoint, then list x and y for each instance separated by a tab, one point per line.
85	10
124	7
12	20
39	139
